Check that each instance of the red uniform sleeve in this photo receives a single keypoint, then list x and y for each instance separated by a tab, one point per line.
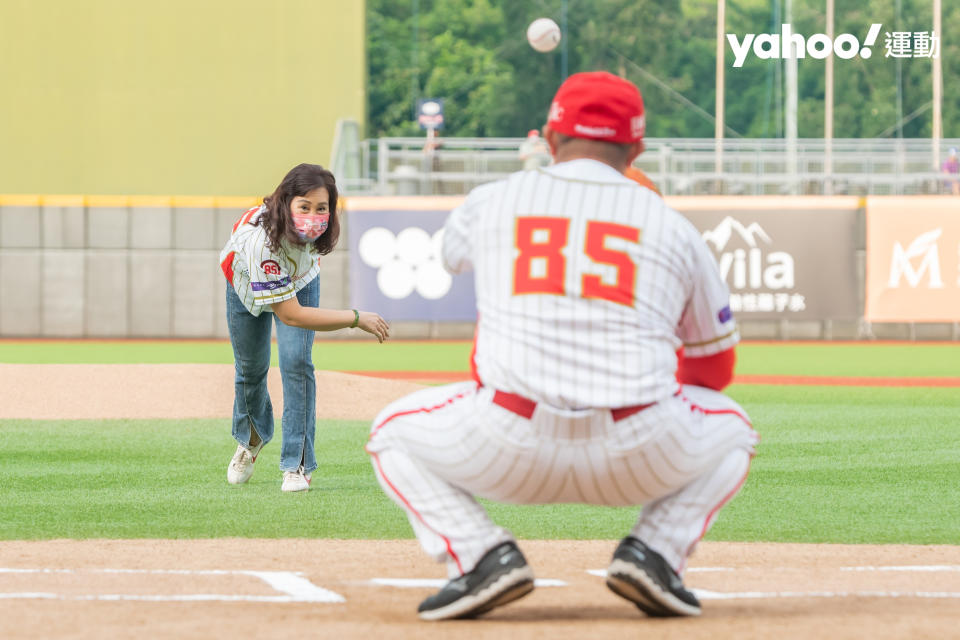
714	372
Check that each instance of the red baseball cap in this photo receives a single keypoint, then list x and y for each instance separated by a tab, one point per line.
598	106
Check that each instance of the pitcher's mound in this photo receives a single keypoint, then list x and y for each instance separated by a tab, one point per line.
105	391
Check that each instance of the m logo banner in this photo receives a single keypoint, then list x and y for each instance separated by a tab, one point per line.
913	259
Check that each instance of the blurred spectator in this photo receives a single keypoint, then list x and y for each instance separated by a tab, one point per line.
431	159
951	167
432	142
534	151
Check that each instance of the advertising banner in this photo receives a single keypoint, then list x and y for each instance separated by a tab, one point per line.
782	257
395	263
913	259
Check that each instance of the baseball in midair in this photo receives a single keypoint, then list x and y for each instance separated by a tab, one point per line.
543	34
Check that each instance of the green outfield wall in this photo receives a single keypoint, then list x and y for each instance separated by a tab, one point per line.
189	97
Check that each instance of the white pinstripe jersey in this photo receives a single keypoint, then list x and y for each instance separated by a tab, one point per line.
586	285
260	276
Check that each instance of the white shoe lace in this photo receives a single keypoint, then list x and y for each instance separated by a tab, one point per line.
241	459
298	477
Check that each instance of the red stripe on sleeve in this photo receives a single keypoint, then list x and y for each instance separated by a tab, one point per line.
714	372
227	266
245	217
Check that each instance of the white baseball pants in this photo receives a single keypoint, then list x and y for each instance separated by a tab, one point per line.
682	459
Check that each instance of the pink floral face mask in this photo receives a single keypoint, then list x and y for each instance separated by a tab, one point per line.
310	227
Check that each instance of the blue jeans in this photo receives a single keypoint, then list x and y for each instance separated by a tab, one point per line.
252	409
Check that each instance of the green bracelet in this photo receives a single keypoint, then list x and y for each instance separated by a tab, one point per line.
356	319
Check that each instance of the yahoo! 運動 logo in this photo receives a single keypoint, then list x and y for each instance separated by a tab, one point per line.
787	44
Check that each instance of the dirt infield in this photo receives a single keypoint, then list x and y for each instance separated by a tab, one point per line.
142	391
96	589
234	588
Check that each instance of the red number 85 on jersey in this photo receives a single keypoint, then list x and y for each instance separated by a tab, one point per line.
541	266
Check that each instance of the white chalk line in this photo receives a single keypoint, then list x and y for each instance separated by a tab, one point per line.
292	584
704	594
602	573
416	583
299	589
942	567
199	572
189	597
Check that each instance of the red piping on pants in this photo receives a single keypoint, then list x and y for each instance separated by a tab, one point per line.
729	496
376	460
446	540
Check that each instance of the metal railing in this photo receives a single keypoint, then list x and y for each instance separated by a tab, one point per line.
678	166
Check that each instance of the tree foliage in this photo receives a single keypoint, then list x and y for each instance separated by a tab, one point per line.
474	54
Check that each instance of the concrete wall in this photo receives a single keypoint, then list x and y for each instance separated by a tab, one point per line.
123	267
138	266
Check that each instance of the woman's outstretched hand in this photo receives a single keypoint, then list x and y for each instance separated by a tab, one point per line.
372	323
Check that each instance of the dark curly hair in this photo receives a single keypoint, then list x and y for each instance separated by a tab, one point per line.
278	223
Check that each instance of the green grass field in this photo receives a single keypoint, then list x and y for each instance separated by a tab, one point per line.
835	464
795	358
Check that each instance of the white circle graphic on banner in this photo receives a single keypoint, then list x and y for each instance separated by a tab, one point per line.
377	246
413	245
436	245
433	282
406	262
396	279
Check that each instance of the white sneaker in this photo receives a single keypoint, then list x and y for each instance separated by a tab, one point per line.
295	480
241	466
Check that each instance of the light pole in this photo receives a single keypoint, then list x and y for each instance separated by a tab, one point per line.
790	133
828	111
563	40
937	132
415	55
718	127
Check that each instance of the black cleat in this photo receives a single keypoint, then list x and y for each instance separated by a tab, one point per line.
642	576
501	576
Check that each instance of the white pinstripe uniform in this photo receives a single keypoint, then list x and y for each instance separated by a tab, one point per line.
586	284
260	276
